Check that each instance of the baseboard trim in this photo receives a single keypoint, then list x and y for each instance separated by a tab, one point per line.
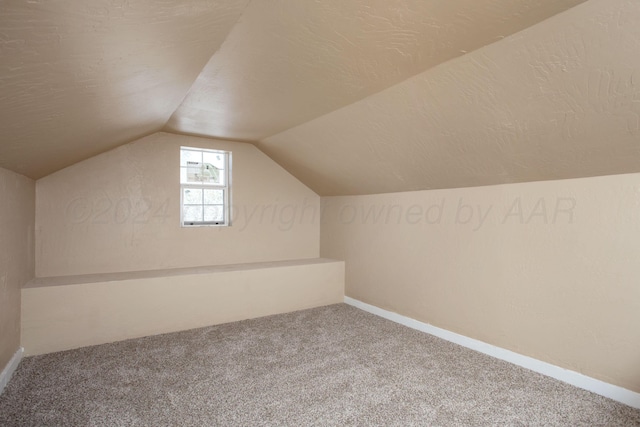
11	367
577	379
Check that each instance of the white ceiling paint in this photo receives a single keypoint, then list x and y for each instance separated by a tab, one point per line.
558	100
78	77
287	62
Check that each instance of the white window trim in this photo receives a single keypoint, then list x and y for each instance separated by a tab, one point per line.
226	192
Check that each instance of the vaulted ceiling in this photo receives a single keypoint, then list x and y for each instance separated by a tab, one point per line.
351	96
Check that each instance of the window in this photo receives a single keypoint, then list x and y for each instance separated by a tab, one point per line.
204	186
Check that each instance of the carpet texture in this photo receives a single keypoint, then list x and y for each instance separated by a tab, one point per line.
329	366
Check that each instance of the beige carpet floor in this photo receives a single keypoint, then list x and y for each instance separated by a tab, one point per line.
330	366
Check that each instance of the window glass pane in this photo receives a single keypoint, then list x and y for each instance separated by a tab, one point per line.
192	213
213	158
214	213
192	196
190	156
211	174
213	197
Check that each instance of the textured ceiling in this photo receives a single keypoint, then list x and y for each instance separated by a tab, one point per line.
78	77
558	100
286	62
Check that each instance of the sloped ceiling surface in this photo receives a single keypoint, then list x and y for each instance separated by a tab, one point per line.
78	77
558	100
286	62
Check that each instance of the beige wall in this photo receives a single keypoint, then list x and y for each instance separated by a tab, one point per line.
549	269
17	198
99	310
119	211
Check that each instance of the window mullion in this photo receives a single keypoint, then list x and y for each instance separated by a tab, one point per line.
202	201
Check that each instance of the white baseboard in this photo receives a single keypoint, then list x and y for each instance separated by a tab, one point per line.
8	370
602	388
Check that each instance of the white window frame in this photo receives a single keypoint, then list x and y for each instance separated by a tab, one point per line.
226	187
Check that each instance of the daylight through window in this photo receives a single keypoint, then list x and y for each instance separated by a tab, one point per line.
204	186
